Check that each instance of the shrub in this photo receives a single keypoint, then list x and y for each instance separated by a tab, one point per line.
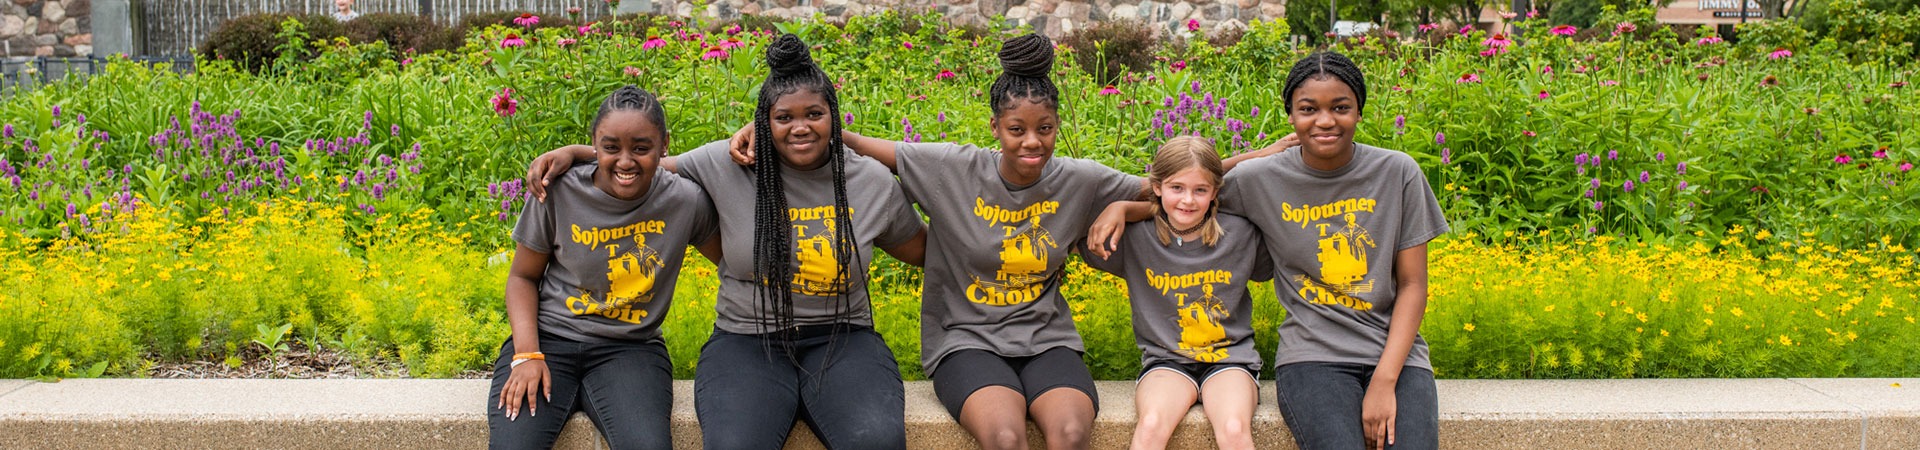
750	23
1108	50
479	21
251	40
402	32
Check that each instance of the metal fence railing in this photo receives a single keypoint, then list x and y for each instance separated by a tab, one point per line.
176	27
27	73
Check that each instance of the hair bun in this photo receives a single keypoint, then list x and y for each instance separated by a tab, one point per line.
1027	56
788	55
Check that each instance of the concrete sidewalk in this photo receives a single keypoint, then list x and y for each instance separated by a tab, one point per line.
1685	413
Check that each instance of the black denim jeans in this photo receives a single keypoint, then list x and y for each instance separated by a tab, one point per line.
626	388
846	387
1321	403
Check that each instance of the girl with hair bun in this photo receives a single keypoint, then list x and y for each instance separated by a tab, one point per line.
593	274
1347	225
794	338
997	337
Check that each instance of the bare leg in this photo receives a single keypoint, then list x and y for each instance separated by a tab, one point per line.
1065	416
997	417
1162	398
1229	398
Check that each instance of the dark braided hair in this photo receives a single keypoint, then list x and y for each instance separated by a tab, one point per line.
1026	63
1321	65
631	98
792	70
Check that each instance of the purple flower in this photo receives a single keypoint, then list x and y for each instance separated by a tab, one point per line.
1589	193
56	111
8	132
1597	205
1681	168
1683	185
1644	177
942	117
396	130
1628	186
1613	155
1439	139
71	210
1595	183
1399	122
847	118
1662	156
1256	112
1446	156
1196	85
1580	159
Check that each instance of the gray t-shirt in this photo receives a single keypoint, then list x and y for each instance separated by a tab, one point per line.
1333	236
995	251
1190	301
613	262
881	216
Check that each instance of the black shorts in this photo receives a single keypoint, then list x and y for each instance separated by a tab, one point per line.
1198	373
963	372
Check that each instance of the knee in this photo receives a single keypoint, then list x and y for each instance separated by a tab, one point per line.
1232	427
1071	435
1158	422
1004	438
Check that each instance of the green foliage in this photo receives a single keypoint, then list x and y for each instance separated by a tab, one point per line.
403	32
268	338
254	41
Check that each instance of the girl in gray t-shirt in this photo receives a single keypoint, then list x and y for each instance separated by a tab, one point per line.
1187	272
593	274
793	337
1347	225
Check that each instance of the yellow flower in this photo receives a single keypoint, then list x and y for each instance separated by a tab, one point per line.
1762	235
1708	321
1785	341
1469	327
1737	312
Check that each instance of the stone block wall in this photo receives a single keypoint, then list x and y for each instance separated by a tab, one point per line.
1053	17
61	28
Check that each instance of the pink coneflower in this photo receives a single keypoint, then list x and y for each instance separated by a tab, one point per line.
945	74
1193	25
1508	15
1428	27
1897	84
1905	166
733	30
908	45
1109	90
1546	70
1769	81
584	30
566	42
1544	94
1466	30
732	43
504	103
1609	83
1490	51
1528	133
1709	40
1881	153
1624	28
512	40
1179	66
1469	77
653	42
1498	40
526	20
1533	14
1843	159
631	71
1779	52
407	61
714	52
1564	30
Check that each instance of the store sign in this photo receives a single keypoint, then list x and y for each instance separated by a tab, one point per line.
1727	4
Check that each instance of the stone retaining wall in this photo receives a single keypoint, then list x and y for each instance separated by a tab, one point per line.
60	28
1054	17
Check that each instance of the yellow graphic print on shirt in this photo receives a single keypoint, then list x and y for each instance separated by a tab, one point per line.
1342	252
1025	250
1201	335
819	268
630	272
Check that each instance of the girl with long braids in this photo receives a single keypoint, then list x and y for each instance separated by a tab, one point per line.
593	273
794	336
1347	225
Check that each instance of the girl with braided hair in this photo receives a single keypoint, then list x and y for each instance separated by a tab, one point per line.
1351	369
593	273
794	336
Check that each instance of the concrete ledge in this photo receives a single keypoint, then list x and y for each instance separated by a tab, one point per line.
1686	413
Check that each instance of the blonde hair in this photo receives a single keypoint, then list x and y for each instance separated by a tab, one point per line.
1177	155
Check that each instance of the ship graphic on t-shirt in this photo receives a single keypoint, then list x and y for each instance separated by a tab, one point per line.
1201	335
819	269
630	280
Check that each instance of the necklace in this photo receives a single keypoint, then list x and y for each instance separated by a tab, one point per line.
1177	240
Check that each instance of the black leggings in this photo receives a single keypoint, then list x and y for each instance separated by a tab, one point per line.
846	388
626	388
1321	404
